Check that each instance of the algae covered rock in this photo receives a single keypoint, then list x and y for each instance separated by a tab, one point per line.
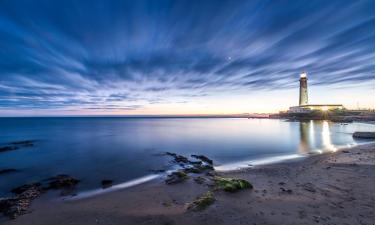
232	184
202	202
176	177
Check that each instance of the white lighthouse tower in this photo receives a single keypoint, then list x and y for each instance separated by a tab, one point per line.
303	97
304	106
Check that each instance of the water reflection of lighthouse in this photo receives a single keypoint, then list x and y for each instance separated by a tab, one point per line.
305	136
311	130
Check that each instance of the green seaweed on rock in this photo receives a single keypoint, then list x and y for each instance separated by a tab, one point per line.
202	202
232	184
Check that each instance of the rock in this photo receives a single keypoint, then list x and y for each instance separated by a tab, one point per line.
16	145
26	187
158	171
202	202
365	135
289	191
203	158
62	181
5	171
107	183
178	158
232	184
198	168
12	207
18	205
211	173
309	187
199	180
26	143
25	194
8	148
176	177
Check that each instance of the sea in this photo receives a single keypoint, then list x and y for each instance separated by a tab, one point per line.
130	150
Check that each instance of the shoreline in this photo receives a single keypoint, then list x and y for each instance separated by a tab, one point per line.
318	189
239	166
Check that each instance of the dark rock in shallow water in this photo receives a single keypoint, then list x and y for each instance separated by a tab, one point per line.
203	158
16	145
365	135
8	148
5	171
25	194
107	183
158	171
23	143
198	168
176	177
18	205
178	158
26	187
62	181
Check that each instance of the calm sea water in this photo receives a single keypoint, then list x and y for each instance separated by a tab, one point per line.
123	149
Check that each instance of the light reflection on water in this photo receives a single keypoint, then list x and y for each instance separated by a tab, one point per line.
124	149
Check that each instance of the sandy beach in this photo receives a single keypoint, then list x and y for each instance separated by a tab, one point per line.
334	188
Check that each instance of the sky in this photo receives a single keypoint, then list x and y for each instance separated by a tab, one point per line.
157	57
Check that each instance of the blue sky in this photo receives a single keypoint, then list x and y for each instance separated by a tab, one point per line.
182	57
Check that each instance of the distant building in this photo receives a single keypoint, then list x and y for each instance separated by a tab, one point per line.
304	106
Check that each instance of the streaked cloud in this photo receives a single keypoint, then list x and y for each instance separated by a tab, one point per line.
127	55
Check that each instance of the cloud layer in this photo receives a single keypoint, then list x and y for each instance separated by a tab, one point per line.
126	55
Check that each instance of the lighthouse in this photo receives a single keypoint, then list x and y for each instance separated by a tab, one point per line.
304	107
303	97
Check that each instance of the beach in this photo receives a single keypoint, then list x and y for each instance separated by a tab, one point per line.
332	188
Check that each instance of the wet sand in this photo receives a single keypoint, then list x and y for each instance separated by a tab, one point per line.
335	188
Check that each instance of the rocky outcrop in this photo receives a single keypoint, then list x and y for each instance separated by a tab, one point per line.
203	158
204	164
107	183
176	177
5	171
198	168
16	145
178	158
19	204
25	194
62	182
